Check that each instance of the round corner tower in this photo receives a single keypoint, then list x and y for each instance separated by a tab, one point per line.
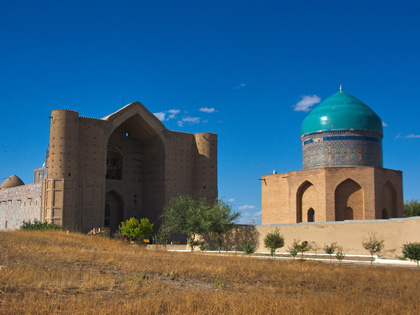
342	131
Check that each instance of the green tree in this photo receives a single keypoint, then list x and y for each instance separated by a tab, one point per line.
330	249
373	245
273	240
134	229
412	208
221	220
187	216
412	252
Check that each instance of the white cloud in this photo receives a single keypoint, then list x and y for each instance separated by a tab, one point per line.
173	113
193	120
240	86
207	110
231	200
305	104
246	207
384	124
160	116
411	136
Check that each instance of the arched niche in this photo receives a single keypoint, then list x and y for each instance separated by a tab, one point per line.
389	199
349	196
306	198
311	215
114	211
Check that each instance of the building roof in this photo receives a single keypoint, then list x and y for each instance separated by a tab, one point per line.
341	111
12	181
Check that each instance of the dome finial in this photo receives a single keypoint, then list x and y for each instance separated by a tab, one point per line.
341	88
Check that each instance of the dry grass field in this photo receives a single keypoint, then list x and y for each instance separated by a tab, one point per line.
59	273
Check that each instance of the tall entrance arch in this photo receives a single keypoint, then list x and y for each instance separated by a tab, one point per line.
136	167
349	201
113	212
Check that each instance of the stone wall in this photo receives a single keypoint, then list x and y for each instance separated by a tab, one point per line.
18	204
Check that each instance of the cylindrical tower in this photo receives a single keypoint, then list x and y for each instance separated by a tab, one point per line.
64	143
342	131
206	165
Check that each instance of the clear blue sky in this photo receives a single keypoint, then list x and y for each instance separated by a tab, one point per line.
245	64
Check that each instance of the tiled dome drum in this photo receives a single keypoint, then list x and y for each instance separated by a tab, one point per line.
342	131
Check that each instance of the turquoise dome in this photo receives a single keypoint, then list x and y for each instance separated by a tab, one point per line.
341	111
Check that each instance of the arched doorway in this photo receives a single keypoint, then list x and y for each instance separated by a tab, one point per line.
349	201
306	198
114	211
311	215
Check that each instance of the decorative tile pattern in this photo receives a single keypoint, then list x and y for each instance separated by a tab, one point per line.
342	149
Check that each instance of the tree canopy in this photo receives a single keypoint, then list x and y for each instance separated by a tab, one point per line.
194	217
412	208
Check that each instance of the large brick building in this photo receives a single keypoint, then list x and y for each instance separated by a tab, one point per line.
100	172
342	176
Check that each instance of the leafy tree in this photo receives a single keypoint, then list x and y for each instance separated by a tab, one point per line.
412	252
187	216
134	229
412	208
273	240
194	217
330	249
221	220
373	245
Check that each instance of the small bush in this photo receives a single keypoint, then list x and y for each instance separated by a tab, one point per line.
249	246
412	252
134	229
39	226
330	249
340	256
293	249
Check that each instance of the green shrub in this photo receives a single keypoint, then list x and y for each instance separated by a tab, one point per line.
249	246
39	226
412	252
134	229
330	249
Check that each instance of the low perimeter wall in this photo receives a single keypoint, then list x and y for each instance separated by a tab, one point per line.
349	235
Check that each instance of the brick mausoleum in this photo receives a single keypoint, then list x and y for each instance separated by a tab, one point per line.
100	172
342	176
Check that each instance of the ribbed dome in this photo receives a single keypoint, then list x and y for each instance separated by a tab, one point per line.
341	111
12	181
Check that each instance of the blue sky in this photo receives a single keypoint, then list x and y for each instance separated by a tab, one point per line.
236	68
